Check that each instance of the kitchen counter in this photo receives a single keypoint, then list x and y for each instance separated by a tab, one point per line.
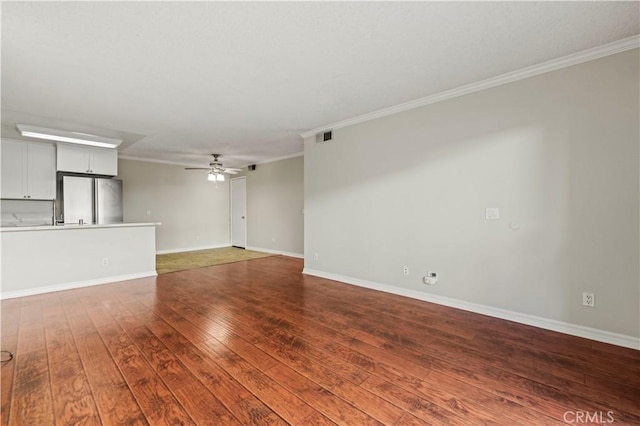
41	259
21	228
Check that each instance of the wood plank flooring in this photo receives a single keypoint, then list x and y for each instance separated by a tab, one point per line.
257	342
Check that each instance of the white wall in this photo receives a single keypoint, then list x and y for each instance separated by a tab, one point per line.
194	212
557	153
275	199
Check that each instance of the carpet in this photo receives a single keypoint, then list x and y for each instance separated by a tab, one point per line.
173	262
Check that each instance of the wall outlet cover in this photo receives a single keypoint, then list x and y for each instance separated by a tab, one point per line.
589	299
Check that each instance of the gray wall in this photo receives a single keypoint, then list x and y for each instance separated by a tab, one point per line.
193	211
275	199
557	153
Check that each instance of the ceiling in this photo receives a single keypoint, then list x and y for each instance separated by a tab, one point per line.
180	80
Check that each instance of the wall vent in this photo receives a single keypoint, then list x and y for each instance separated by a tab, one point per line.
324	136
251	167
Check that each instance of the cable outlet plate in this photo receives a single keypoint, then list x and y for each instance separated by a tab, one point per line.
589	299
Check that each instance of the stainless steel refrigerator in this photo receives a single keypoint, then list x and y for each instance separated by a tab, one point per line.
88	200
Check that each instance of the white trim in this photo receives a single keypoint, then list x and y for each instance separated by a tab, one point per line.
284	157
548	324
185	249
177	163
531	71
77	284
284	253
153	160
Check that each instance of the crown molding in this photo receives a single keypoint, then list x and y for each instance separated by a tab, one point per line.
153	160
284	157
175	163
531	71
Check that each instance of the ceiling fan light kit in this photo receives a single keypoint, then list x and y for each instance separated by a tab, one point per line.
216	170
215	177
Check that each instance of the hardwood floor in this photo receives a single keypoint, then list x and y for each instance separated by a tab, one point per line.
258	343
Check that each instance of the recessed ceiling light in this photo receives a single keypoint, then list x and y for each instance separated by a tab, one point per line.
69	137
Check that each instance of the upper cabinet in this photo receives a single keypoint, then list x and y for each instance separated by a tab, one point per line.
28	170
80	159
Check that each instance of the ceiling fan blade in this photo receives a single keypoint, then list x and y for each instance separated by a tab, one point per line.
197	168
230	171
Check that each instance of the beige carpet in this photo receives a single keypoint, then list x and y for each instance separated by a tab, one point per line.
198	259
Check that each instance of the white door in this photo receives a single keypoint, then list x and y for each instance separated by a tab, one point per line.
239	212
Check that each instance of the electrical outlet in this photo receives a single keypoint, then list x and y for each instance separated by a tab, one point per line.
105	261
316	256
405	270
589	299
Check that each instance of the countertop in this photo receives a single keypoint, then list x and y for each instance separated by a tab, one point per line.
74	227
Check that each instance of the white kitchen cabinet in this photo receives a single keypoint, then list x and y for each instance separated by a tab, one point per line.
28	170
104	161
80	159
72	159
13	165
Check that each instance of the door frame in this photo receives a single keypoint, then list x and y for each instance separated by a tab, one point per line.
231	181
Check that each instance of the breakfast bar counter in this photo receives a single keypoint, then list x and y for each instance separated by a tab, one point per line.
39	259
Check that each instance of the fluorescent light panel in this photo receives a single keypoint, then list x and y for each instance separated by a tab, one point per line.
69	137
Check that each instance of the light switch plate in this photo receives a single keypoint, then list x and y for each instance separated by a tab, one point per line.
492	213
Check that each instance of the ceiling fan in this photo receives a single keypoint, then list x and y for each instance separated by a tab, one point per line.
216	170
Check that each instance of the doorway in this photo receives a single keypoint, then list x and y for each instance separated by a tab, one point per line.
239	212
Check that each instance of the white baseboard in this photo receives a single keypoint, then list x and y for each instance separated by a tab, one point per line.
545	323
284	253
183	249
77	284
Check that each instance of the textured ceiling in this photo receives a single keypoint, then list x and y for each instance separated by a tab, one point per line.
180	80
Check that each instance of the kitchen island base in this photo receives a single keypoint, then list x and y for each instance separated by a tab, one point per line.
38	260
